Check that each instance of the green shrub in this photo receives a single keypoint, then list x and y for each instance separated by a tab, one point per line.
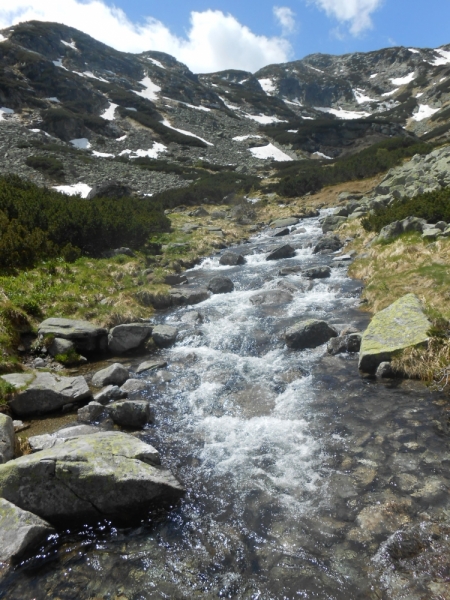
69	359
48	165
6	389
432	206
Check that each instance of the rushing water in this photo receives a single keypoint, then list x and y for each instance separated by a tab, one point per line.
298	470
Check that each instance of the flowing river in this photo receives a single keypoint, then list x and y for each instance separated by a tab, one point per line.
297	469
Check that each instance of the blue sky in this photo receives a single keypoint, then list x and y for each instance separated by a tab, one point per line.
210	35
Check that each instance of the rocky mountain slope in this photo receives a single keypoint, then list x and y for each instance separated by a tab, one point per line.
90	113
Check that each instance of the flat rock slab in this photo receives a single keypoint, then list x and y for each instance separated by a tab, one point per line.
49	440
151	365
188	296
401	325
309	334
20	531
128	336
7	438
85	336
40	393
105	475
287	222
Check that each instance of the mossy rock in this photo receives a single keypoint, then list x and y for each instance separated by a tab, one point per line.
401	325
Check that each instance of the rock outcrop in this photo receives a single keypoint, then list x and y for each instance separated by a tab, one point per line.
85	336
40	393
401	325
105	475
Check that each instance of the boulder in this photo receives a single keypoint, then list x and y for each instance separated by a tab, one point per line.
40	393
164	335
271	297
390	231
309	334
332	222
344	343
92	477
281	232
220	285
6	438
134	414
175	279
317	272
385	370
188	296
328	244
49	440
20	531
285	251
342	211
60	346
289	271
90	413
200	212
128	337
85	336
151	365
115	374
287	222
430	235
108	393
133	385
401	325
231	259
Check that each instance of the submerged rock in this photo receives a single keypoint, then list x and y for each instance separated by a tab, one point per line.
309	334
271	297
40	393
105	475
6	438
231	259
20	531
401	325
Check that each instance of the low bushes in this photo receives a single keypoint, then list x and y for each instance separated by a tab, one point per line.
48	165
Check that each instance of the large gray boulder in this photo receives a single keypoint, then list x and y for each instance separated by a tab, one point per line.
220	285
285	251
188	296
317	272
40	393
133	414
115	374
85	336
60	346
344	343
108	393
231	259
164	335
329	243
6	438
128	337
20	531
105	475
309	334
90	413
332	222
401	325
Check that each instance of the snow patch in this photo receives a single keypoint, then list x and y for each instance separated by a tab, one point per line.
373	76
167	124
124	137
81	143
264	120
242	138
102	154
76	189
40	131
53	99
390	93
203	108
444	58
90	75
413	50
343	114
268	86
5	111
2	38
243	81
424	112
322	155
404	80
71	45
58	63
292	130
361	98
108	113
150	153
294	102
314	69
156	62
419	95
270	151
151	89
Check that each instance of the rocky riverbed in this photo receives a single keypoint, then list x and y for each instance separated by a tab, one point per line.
303	478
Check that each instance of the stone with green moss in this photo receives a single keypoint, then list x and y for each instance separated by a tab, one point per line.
20	530
401	325
84	479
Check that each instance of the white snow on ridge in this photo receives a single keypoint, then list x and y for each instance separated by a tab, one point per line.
90	75
71	45
343	114
444	58
121	139
414	51
242	138
2	38
167	124
292	130
314	69
102	154
295	102
404	80
322	155
81	143
361	98
264	120
81	189
151	91
108	113
58	63
5	111
373	76
53	99
150	153
424	112
268	86
419	94
270	151
156	62
204	108
390	93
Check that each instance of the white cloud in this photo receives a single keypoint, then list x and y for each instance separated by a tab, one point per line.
356	13
214	41
286	18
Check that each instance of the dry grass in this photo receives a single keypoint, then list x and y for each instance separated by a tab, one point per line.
430	364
